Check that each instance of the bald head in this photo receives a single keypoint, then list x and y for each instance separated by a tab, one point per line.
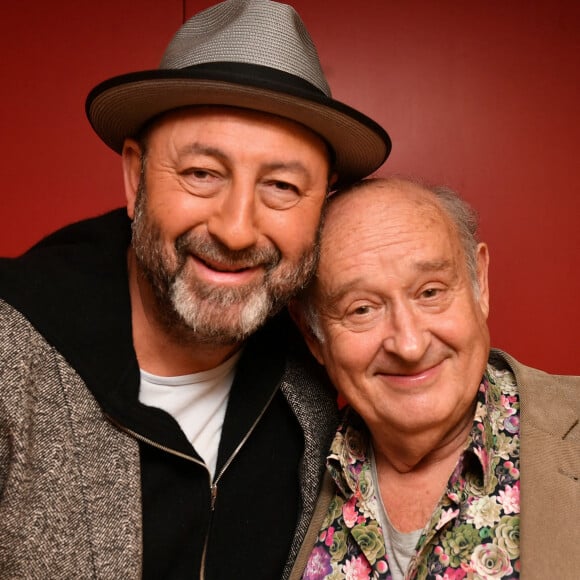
460	215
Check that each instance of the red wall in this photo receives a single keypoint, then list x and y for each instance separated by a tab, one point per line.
482	96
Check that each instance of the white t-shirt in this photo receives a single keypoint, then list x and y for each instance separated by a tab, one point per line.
197	402
400	546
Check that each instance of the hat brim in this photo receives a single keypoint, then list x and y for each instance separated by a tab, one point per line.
119	107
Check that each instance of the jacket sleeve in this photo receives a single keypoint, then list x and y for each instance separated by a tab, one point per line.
69	480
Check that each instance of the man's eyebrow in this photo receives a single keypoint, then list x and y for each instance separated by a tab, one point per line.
197	148
293	166
337	294
201	149
433	265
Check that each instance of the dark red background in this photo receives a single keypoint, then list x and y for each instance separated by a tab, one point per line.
482	96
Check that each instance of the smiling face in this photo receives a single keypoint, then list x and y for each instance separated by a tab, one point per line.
226	208
404	335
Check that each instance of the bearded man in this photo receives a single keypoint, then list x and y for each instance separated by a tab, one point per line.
157	419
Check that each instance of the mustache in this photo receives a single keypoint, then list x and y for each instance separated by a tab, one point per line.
212	250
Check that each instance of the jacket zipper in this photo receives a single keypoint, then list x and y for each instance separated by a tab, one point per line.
213	486
154	443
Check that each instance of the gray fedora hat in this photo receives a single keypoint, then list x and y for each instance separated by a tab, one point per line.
254	54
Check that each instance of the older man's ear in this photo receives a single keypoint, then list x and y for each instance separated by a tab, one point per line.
299	316
482	278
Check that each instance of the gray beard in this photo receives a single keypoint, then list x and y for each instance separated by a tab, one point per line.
197	312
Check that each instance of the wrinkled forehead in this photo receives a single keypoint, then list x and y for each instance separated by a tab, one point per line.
191	116
385	213
376	231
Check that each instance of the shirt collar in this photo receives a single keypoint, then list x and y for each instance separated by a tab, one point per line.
349	452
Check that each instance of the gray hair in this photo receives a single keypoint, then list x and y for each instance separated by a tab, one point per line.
462	216
466	222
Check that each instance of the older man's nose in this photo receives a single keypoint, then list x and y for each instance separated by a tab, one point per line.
406	336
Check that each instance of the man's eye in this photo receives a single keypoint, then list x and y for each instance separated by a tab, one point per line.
362	310
431	293
197	173
200	182
362	317
280	195
282	185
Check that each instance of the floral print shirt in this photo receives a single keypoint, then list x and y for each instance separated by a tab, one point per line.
474	530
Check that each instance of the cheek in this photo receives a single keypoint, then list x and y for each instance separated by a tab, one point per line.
459	328
177	214
346	359
292	233
466	335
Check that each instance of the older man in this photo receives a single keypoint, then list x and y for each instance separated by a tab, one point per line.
149	427
425	468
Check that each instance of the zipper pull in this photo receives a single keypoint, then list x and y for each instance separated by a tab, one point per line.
213	490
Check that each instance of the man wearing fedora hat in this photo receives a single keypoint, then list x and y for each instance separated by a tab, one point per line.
157	418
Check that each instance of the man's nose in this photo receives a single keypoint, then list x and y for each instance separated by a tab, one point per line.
406	335
233	221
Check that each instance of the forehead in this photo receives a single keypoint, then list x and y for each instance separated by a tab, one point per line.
385	225
182	123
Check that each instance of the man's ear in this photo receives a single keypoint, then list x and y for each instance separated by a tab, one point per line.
131	156
297	313
482	255
332	182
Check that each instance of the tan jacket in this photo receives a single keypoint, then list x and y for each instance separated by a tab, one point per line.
550	472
